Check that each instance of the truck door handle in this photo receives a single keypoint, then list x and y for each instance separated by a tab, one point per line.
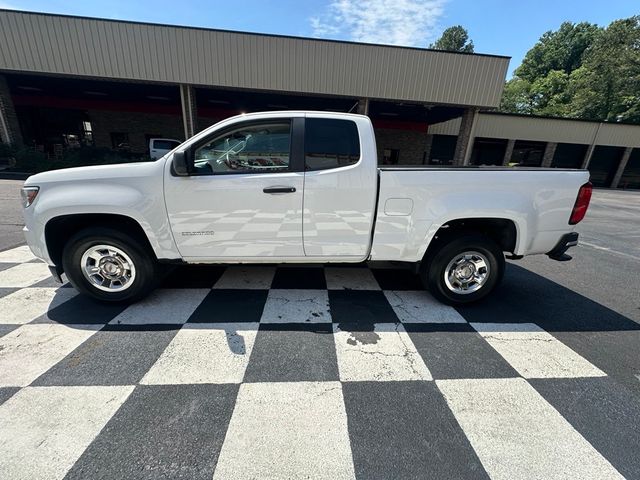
279	190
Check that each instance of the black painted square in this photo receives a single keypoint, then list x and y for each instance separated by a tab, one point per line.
232	305
360	306
293	353
299	277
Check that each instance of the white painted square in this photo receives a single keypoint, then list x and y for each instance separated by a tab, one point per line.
287	430
205	353
386	353
420	307
30	350
20	254
164	306
534	353
518	434
24	275
44	430
27	304
296	306
350	279
242	277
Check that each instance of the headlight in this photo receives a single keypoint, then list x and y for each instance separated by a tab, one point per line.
29	195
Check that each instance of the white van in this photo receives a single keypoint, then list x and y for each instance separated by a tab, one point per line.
159	147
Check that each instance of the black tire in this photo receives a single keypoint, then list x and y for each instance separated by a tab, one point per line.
144	263
433	269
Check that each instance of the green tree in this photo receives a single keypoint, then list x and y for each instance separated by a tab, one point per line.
581	71
454	39
561	50
607	86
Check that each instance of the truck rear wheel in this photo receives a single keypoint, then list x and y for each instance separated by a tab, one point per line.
463	270
108	265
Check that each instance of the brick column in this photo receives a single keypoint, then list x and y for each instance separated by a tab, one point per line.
508	152
463	146
549	152
621	167
9	126
189	110
587	156
363	106
427	148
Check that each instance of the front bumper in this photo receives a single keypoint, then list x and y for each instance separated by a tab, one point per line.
559	252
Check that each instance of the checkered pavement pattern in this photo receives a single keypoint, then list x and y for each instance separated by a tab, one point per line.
261	372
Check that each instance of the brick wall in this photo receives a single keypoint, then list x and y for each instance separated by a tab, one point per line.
411	144
137	125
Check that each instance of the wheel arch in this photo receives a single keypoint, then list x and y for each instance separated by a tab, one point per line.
59	230
503	231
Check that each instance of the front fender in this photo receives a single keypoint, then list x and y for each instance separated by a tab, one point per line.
144	205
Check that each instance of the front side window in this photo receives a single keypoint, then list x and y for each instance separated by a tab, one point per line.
330	143
257	148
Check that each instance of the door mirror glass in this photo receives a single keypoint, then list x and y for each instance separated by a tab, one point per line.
180	164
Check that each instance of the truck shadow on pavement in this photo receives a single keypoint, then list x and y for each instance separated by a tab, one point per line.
524	302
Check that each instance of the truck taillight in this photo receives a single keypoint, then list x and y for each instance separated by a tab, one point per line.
582	203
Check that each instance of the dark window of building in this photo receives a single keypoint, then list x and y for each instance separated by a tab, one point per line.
390	156
251	148
528	154
119	140
330	143
631	176
569	155
603	165
443	149
488	151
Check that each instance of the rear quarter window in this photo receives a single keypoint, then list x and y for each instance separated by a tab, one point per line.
330	143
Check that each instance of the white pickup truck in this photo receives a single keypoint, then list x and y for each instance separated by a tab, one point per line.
296	187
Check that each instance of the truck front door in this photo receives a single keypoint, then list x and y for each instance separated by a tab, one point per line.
244	199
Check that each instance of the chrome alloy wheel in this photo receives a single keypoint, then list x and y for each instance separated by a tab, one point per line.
466	273
108	268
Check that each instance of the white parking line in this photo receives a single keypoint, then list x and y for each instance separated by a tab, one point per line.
205	353
24	275
386	353
534	353
164	306
17	255
518	435
287	430
29	303
421	307
44	430
296	306
30	350
609	250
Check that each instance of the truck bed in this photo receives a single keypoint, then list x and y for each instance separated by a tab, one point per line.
414	202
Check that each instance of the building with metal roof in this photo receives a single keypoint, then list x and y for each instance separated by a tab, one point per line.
67	81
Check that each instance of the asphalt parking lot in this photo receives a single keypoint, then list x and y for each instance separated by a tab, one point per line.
336	372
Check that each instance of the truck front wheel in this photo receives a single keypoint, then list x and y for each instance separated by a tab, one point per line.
108	265
463	270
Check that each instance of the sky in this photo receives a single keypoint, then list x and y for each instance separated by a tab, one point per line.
501	27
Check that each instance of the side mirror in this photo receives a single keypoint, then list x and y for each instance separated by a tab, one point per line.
180	164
